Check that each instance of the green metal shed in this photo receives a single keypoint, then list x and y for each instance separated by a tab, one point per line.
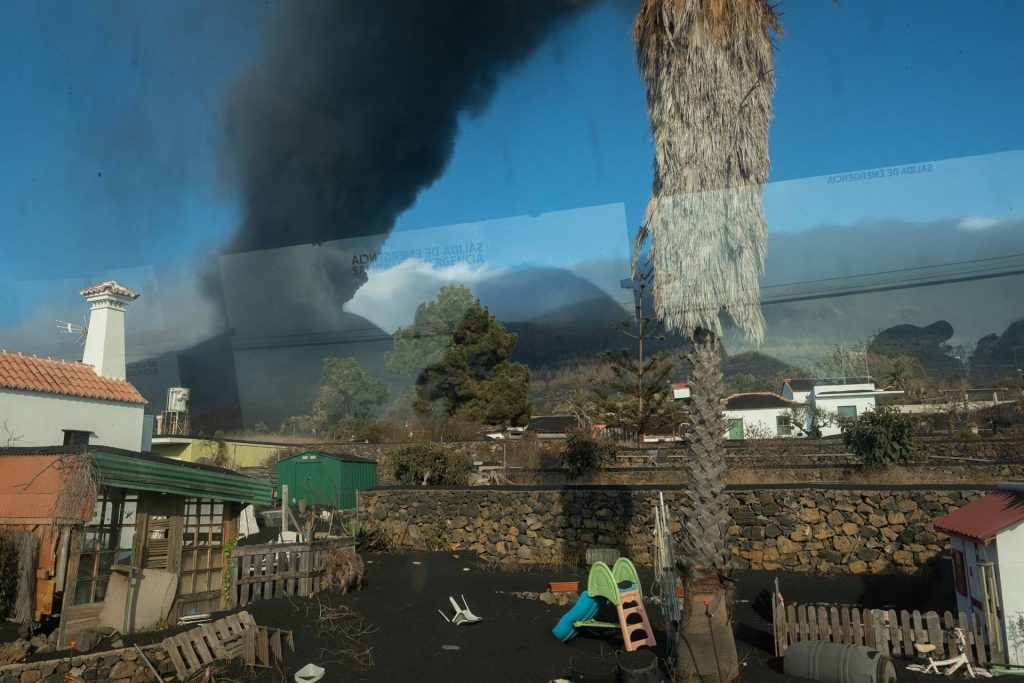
326	478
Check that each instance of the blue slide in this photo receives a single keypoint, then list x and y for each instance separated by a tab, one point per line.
584	609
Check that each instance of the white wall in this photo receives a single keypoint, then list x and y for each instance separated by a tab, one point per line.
759	420
830	404
1010	577
38	420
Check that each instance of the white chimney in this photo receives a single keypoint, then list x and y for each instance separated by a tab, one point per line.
104	339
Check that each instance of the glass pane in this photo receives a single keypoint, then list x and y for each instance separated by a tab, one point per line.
124	557
101	589
106	561
97	511
83	592
126	537
86	565
130	508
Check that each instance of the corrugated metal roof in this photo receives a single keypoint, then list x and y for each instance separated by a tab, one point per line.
345	457
164	475
56	376
30	488
985	517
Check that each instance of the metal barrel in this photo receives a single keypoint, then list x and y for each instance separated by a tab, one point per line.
838	663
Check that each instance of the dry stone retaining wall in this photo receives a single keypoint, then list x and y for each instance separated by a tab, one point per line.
845	529
119	666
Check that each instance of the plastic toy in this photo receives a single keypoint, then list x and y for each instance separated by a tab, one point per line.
618	586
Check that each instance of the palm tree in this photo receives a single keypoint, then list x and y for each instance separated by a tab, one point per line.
708	69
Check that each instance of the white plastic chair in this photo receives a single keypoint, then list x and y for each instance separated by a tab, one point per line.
463	615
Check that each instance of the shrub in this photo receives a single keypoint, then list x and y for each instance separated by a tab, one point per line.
342	568
427	463
584	455
880	436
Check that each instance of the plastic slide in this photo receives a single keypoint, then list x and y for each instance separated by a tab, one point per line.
584	610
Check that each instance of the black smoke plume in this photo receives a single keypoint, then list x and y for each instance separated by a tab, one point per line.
354	108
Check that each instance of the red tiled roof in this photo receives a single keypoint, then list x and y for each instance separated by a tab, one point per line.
54	376
985	517
109	286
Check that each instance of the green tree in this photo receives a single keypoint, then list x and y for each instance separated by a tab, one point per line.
710	81
881	436
430	464
475	378
346	390
638	396
584	455
424	343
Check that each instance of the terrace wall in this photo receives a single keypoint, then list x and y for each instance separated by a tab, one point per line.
856	529
119	666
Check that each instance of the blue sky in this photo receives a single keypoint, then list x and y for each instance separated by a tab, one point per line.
110	122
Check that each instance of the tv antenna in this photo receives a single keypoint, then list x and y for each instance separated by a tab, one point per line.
71	328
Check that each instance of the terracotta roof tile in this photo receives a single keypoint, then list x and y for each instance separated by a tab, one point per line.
985	517
55	376
109	286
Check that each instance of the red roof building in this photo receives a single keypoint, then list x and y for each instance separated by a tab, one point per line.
982	519
54	376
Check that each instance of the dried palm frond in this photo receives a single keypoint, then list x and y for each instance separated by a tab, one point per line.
708	69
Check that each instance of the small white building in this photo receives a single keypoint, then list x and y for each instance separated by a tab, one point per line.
54	402
758	415
833	398
986	539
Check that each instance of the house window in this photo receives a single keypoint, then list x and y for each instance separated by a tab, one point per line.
735	426
73	437
847	411
783	426
959	573
202	554
106	541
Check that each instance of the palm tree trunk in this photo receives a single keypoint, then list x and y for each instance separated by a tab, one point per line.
706	648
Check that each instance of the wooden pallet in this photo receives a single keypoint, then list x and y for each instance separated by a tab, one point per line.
192	650
262	646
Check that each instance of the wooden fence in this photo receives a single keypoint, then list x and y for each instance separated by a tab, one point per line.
889	632
274	570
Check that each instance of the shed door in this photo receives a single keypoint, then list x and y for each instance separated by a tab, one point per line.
309	482
736	428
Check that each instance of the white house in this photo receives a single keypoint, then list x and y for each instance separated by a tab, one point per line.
52	402
835	397
758	415
986	539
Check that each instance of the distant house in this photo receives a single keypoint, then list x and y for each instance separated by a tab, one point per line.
986	539
835	397
680	391
105	519
552	426
47	401
758	415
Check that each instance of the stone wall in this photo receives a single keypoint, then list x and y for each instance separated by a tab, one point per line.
119	666
842	528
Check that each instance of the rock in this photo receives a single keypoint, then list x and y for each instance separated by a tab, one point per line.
754	533
117	643
25	631
39	643
30	676
849	528
548	598
867	554
87	640
896	517
835	518
786	546
903	557
14	652
868	532
877	520
857	567
810	515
